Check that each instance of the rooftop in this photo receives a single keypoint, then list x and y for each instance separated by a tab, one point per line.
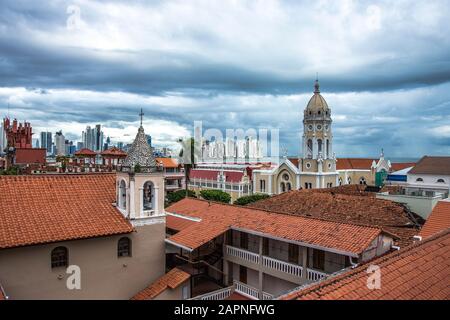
114	151
85	152
49	208
217	218
354	163
168	162
432	165
438	220
171	279
418	272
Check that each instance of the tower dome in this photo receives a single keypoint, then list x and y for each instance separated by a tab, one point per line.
317	102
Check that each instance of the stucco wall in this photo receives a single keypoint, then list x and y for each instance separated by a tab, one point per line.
26	272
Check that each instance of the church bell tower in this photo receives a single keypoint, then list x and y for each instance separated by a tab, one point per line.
140	182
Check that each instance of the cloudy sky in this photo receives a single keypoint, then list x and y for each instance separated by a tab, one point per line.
384	69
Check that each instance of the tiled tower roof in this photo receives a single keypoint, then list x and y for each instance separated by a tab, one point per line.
140	152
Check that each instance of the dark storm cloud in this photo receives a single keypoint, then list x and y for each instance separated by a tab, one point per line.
384	67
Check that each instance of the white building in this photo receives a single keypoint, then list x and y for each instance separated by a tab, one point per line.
60	143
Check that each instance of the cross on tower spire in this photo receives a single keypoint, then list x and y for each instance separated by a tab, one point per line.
141	115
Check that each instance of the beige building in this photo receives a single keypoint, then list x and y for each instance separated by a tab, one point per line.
84	236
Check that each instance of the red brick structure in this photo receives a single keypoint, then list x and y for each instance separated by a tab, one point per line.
113	157
29	156
18	135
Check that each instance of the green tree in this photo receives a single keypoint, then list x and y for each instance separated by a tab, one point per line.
188	155
176	196
242	201
215	195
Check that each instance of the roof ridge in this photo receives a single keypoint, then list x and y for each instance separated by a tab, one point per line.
392	255
288	214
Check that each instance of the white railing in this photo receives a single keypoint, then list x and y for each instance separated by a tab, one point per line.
267	296
315	275
243	254
282	266
246	290
220	294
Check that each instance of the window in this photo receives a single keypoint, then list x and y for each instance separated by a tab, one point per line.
59	257
318	259
319	144
308	185
419	180
282	187
242	274
362	180
244	240
124	247
265	248
262	185
440	181
286	177
148	196
293	253
340	181
349	180
288	185
122	194
308	165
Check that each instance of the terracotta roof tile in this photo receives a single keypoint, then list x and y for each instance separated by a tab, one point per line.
420	271
230	176
396	166
438	220
177	223
85	152
168	162
432	165
114	151
171	279
354	163
50	208
216	218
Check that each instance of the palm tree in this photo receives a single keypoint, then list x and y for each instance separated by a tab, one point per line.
188	156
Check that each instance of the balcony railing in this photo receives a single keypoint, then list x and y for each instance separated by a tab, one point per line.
315	275
282	266
243	254
275	264
220	294
249	291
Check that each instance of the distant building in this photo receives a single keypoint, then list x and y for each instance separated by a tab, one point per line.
92	138
46	141
60	144
80	145
120	145
149	139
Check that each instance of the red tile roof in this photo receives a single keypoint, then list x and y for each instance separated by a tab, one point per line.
438	220
401	165
177	223
216	218
418	272
168	162
171	279
114	151
50	208
230	176
432	165
354	163
85	152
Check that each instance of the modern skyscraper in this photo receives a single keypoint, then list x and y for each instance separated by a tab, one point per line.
46	141
60	143
149	139
93	138
2	137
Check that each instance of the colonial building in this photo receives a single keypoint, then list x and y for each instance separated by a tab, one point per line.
317	165
173	174
109	227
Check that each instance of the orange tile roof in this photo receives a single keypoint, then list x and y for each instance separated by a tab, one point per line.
438	220
216	218
432	165
418	272
401	165
114	151
85	152
171	279
354	163
50	208
168	162
177	223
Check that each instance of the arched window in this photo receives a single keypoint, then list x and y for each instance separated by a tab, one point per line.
362	180
440	181
419	180
122	201
149	196
283	187
328	149
59	257
319	112
319	145
310	147
124	247
340	181
349	180
288	185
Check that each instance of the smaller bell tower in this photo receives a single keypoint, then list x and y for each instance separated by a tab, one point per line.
140	181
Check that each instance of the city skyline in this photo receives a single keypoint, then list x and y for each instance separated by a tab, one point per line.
385	86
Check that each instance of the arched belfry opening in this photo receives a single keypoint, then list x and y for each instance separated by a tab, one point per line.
122	195
148	194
